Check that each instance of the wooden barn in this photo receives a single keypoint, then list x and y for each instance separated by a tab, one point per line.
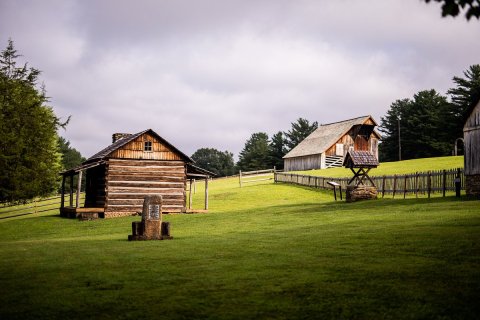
471	135
329	143
134	165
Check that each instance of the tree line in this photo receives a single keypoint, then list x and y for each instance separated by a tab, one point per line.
260	151
428	124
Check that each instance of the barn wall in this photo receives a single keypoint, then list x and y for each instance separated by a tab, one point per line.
360	143
471	132
128	181
134	150
304	163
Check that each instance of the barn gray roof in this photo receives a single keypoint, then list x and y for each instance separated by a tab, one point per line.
123	141
325	136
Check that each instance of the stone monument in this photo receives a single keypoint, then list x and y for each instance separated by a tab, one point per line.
151	227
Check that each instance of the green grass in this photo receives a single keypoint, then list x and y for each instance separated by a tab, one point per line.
397	167
263	251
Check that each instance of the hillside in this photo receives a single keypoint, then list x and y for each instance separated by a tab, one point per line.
263	251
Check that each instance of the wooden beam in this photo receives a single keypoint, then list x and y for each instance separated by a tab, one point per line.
79	187
62	203
71	190
190	196
206	194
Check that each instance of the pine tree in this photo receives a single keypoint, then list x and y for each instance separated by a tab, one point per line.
254	155
299	131
29	157
276	150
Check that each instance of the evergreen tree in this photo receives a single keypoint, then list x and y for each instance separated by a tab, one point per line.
71	158
276	150
299	131
213	160
454	7
29	157
466	93
425	127
255	155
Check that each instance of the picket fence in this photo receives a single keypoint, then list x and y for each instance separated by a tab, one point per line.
424	183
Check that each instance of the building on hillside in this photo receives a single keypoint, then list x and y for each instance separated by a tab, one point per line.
471	135
329	143
133	166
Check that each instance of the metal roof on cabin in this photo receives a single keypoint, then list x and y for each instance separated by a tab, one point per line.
123	141
355	159
325	136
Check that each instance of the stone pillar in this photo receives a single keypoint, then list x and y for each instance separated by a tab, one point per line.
151	227
355	193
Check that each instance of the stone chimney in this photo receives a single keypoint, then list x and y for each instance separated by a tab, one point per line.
118	136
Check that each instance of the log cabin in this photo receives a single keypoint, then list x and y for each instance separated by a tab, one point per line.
471	136
133	166
327	146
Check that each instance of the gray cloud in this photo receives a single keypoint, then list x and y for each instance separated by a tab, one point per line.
210	73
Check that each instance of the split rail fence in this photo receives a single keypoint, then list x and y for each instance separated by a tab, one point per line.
423	183
33	207
255	176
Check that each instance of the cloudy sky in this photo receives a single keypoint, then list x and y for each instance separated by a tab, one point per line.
209	73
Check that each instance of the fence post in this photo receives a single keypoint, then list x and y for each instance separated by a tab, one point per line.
416	184
383	186
444	182
240	178
405	186
429	184
394	185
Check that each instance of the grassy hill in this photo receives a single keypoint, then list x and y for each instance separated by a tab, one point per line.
263	251
396	167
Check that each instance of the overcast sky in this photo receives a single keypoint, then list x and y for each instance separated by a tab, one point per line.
211	73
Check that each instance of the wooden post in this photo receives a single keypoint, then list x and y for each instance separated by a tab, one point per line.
416	185
240	178
206	193
429	184
383	186
394	185
190	196
62	201
79	187
444	182
71	190
405	187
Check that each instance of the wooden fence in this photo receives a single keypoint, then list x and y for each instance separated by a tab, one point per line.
424	183
255	176
33	207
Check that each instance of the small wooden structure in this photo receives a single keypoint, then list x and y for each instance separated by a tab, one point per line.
329	143
471	134
132	167
362	162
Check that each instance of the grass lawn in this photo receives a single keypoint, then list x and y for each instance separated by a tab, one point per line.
397	167
264	251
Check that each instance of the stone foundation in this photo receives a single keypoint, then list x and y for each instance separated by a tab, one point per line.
360	193
472	185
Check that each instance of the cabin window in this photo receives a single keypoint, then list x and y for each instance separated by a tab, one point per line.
147	146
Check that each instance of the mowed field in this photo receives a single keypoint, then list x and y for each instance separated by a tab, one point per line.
270	250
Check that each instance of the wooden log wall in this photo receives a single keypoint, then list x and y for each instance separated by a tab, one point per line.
129	181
